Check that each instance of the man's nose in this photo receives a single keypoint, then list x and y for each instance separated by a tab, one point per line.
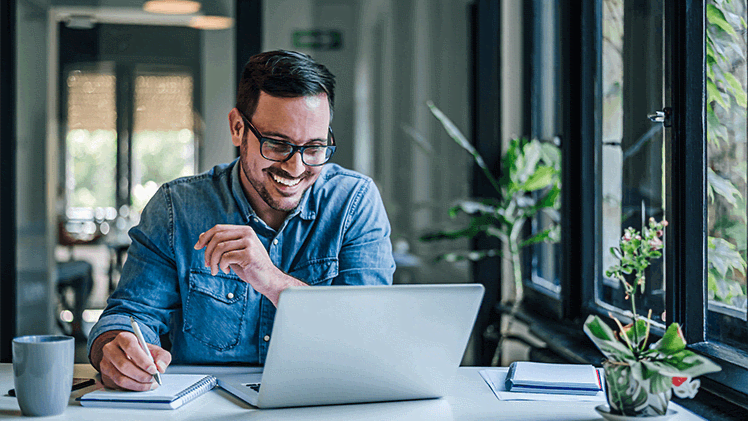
294	166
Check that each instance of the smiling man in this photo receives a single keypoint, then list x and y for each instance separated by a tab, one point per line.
213	252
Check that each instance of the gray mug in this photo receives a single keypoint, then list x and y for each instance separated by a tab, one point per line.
43	373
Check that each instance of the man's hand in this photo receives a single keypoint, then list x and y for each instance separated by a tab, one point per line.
123	364
237	248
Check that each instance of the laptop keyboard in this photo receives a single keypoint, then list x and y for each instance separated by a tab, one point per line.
253	386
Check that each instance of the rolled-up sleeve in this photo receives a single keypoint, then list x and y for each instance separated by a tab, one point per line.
366	250
149	287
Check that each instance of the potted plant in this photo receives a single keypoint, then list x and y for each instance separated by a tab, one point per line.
640	377
530	184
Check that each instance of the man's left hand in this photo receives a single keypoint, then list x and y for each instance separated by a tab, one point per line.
237	248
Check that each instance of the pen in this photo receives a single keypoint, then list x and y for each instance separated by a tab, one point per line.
143	345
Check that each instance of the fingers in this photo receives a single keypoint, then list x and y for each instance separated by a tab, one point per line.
161	356
125	365
223	239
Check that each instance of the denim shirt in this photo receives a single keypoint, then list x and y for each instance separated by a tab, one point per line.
338	235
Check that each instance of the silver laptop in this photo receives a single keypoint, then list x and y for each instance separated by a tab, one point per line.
354	344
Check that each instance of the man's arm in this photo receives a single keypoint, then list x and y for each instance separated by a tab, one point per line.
365	256
148	289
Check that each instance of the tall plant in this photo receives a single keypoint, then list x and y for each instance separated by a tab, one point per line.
530	184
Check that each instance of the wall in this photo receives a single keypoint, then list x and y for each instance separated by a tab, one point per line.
218	93
34	201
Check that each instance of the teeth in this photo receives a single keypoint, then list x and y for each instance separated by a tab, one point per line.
285	181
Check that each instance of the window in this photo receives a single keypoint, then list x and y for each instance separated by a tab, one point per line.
726	172
632	147
674	165
128	120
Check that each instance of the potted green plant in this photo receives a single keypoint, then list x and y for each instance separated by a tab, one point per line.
530	184
640	377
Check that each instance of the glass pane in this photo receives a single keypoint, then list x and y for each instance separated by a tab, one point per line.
163	140
633	182
91	146
726	171
546	107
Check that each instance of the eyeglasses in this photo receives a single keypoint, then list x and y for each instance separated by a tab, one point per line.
281	151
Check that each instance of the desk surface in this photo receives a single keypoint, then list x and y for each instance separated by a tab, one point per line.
470	398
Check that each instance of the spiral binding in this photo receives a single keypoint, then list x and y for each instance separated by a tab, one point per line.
197	389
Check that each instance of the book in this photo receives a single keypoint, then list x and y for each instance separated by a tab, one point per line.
567	379
176	390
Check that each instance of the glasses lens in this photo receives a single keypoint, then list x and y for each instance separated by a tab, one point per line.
316	155
275	151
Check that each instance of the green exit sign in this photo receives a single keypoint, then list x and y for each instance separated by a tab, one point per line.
318	39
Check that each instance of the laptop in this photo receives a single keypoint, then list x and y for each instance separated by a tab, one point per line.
356	344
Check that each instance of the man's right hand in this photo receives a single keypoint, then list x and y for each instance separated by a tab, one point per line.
123	364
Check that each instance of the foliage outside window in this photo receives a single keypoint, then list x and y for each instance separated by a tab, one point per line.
726	151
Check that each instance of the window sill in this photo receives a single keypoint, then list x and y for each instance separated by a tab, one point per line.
567	342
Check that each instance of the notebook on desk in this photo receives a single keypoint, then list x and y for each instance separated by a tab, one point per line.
176	390
354	344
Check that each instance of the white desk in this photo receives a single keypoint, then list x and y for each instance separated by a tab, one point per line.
470	398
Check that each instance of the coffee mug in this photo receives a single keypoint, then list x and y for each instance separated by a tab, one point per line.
43	373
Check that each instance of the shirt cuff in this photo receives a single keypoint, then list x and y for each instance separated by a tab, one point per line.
120	322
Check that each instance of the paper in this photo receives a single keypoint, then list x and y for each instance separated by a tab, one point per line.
495	378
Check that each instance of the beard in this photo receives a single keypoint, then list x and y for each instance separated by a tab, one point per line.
261	189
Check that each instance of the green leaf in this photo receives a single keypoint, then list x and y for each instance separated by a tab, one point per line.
713	94
461	140
540	237
686	363
605	339
716	17
723	187
737	89
672	341
724	257
541	178
636	332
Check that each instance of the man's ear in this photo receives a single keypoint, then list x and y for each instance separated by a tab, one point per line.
236	127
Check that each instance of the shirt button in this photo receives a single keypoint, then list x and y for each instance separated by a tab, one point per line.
254	218
275	241
230	295
266	338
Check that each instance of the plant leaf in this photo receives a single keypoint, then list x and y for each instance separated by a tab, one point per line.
672	341
605	340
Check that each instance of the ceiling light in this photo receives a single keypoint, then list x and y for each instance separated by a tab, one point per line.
172	7
211	22
213	16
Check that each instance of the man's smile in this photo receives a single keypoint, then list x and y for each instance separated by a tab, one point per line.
289	182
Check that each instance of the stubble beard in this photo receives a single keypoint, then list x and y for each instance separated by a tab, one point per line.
260	187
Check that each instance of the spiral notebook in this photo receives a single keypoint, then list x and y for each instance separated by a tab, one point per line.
176	390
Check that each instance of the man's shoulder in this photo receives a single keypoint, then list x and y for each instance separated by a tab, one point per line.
215	178
336	177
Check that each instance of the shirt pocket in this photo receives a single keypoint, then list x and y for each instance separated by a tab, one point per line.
215	309
317	271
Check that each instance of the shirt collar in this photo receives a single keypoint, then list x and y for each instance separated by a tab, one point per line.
304	210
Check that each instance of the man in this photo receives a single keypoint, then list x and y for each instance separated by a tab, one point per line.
213	252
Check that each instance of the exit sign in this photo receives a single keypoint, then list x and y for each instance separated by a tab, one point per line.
318	39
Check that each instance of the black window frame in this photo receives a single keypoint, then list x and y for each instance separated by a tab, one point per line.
686	252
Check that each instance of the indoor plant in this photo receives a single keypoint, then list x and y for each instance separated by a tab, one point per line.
530	184
640	377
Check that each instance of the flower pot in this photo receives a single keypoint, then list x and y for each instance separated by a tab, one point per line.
632	395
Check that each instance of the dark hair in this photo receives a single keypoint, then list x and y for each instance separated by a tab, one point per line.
283	73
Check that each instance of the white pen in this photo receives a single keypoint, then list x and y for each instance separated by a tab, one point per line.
143	345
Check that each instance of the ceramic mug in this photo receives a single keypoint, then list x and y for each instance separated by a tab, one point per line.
43	373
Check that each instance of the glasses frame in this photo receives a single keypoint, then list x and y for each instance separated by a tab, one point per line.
294	148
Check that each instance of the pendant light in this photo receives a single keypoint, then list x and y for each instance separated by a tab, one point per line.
172	7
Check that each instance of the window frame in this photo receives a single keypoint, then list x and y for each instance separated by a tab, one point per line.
686	252
687	246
